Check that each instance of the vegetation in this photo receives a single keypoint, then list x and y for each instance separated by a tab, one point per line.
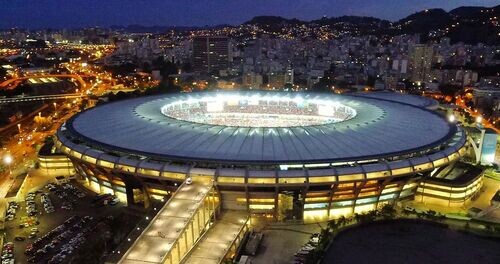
110	232
450	89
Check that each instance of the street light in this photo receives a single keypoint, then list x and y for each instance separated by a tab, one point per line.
19	127
7	159
479	119
451	118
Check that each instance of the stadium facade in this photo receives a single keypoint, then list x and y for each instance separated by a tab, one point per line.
282	155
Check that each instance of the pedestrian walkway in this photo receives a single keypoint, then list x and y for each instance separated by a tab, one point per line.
223	236
172	233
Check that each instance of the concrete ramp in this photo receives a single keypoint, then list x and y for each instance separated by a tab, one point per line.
221	239
176	228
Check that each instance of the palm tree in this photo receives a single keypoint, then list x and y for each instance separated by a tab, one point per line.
333	225
357	217
341	221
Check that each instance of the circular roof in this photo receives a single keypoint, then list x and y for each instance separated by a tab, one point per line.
244	110
379	128
410	99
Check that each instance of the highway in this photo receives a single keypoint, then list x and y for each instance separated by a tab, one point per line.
13	83
40	98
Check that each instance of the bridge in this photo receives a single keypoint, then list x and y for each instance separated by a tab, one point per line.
177	226
187	229
13	83
20	99
221	240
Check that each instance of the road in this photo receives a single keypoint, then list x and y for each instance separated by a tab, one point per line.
12	84
21	146
41	98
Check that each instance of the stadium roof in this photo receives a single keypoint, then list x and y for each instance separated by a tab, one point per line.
415	100
381	128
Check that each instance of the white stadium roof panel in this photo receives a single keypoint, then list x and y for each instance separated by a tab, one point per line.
381	128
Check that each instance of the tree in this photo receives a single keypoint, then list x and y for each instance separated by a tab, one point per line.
48	140
371	215
186	67
332	224
341	221
146	67
449	89
288	86
431	214
357	217
388	211
3	73
324	238
168	86
166	68
324	85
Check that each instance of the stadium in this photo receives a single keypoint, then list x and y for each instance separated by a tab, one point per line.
276	154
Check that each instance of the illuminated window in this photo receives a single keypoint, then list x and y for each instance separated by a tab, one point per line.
241	200
261	200
173	175
262	180
342	203
317	199
401	171
106	164
366	200
89	159
75	154
322	179
344	186
389	196
351	177
226	179
424	166
440	162
149	172
125	168
315	205
261	206
377	174
292	180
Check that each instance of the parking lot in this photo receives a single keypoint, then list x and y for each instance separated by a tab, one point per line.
40	228
284	244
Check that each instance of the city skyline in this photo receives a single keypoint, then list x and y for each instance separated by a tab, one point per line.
74	14
191	132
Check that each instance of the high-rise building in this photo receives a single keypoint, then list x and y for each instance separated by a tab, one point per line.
289	75
210	53
421	63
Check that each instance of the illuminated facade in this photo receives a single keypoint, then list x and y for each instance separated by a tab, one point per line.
450	191
339	167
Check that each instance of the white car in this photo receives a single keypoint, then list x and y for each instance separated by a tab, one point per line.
189	180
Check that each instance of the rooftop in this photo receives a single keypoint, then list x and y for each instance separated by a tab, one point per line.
380	128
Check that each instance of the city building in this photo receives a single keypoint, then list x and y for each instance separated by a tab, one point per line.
421	63
252	80
282	155
210	53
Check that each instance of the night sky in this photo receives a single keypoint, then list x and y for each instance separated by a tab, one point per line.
81	13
